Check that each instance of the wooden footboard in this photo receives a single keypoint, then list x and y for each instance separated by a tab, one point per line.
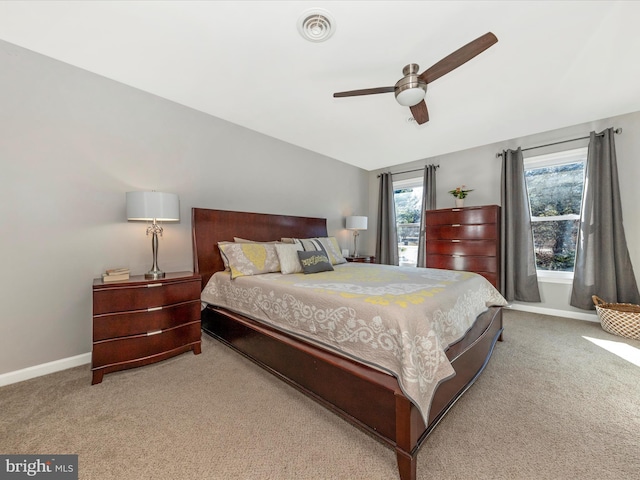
366	397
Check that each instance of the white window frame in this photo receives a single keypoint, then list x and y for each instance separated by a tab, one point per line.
552	160
407	183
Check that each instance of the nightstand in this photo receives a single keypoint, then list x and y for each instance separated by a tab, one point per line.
137	322
362	259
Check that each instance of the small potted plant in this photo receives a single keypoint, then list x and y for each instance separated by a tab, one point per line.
460	194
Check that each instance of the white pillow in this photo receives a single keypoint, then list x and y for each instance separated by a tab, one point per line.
288	257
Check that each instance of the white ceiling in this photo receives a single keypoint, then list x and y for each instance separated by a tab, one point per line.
556	64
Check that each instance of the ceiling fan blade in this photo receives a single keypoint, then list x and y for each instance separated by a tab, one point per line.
420	112
459	57
366	91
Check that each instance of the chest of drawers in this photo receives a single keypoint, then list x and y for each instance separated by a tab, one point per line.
138	321
465	239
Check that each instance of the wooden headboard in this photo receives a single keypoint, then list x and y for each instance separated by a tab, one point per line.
212	226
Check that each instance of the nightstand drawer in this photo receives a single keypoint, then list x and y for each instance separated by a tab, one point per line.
121	350
141	296
122	324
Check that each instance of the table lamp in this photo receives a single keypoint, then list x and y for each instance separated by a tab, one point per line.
356	223
154	207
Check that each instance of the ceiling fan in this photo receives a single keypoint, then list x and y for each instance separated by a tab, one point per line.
411	89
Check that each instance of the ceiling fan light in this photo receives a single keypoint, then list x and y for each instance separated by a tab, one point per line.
410	96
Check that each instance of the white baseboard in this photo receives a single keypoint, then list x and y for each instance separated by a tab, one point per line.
589	317
44	369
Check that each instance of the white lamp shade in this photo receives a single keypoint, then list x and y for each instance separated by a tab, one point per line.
356	223
160	206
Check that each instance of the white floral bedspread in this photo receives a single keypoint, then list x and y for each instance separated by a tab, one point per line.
398	319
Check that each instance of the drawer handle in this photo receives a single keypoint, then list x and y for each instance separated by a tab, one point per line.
456	256
153	332
153	309
455	241
455	225
150	285
456	209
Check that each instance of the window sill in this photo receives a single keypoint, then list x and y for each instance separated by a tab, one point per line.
555	277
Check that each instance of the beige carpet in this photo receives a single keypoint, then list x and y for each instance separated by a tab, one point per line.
550	405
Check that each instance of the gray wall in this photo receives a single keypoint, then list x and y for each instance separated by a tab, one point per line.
479	169
72	143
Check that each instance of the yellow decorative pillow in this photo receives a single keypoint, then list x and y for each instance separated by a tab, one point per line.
250	258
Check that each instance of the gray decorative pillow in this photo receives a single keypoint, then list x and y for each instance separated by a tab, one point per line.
314	262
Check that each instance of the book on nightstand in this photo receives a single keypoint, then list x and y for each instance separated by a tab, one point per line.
115	275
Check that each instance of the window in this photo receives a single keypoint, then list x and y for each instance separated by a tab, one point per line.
407	197
555	183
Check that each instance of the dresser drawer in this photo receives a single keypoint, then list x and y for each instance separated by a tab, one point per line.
470	215
121	350
138	296
459	232
467	263
462	247
122	324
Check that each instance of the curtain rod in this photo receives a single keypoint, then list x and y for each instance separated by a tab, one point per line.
410	171
617	131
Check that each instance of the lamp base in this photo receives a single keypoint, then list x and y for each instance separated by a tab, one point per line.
154	275
355	242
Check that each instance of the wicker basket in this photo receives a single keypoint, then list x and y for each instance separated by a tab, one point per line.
619	318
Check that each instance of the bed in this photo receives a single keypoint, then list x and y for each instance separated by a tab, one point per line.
367	395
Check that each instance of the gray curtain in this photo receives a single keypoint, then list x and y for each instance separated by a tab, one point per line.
603	266
428	203
387	235
519	280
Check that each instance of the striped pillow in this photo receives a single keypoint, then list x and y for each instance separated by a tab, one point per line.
327	244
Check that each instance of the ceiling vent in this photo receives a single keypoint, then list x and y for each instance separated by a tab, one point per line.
316	25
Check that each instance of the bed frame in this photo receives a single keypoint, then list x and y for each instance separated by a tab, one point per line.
367	398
